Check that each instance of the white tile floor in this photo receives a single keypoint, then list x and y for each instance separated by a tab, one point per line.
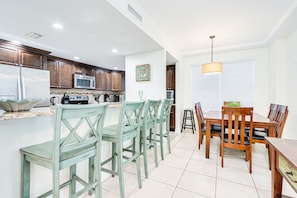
186	173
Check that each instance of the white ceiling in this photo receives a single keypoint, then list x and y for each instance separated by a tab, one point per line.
93	28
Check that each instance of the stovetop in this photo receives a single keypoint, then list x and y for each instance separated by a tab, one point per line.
78	99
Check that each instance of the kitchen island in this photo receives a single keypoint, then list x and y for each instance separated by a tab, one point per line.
22	129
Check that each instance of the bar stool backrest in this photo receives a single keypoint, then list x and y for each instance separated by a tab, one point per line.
70	136
165	110
130	117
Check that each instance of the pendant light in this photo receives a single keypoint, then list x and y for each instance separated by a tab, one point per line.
212	67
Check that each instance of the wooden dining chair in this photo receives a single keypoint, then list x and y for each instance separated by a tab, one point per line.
233	133
272	111
277	113
76	138
126	131
281	118
215	130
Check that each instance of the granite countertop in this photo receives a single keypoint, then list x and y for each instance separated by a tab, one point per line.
42	111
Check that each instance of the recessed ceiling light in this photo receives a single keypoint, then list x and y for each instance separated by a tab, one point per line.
76	57
58	26
114	50
115	68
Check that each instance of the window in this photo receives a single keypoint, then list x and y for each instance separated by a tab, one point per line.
236	83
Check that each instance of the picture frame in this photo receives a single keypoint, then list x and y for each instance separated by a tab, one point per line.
143	72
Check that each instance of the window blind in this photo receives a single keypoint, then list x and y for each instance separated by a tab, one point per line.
235	83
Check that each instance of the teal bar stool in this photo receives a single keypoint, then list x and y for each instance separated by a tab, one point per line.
148	129
126	131
164	118
76	137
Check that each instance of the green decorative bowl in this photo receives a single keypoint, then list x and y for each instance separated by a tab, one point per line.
18	105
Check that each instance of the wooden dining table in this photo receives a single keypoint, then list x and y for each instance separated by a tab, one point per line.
259	121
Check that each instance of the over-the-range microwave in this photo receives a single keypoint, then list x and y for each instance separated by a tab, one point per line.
84	82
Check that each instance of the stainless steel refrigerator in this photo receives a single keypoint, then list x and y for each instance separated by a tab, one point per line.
18	83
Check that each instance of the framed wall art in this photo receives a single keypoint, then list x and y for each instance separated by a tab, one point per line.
143	72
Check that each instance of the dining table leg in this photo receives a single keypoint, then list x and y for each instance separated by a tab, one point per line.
207	144
271	133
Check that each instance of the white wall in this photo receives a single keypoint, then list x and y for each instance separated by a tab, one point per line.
290	85
156	87
275	76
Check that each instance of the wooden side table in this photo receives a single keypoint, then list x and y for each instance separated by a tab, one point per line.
283	164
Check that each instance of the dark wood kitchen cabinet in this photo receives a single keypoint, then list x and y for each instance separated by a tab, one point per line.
116	80
22	55
170	77
107	80
170	85
31	59
79	68
61	73
100	76
8	55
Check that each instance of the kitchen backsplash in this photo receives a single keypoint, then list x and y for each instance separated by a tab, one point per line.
94	96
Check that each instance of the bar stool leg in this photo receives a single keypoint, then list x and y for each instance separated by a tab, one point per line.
184	121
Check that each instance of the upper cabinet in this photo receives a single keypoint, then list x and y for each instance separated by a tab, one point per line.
116	81
61	73
79	68
31	59
22	55
101	81
8	55
170	77
107	80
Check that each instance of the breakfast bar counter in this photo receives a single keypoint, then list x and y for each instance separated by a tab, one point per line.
21	129
41	111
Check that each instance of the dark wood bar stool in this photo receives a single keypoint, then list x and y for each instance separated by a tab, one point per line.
188	116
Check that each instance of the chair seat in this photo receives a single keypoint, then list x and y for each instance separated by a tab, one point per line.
215	129
110	133
45	150
260	134
246	139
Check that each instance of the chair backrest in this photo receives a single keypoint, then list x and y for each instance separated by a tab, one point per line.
130	115
281	117
238	119
165	110
77	127
272	111
150	113
199	115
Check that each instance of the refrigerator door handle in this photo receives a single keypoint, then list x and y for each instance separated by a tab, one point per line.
19	94
23	88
